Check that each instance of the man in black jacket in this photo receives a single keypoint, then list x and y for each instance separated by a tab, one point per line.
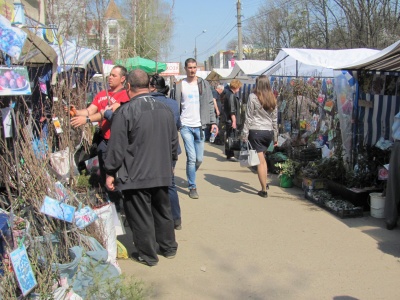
143	144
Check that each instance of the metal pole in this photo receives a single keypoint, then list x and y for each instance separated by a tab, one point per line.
195	49
239	26
195	44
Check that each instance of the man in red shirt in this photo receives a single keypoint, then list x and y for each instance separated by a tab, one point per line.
104	100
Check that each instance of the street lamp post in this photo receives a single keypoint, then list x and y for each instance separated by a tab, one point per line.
195	44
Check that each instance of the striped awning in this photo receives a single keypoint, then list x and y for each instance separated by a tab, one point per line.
72	56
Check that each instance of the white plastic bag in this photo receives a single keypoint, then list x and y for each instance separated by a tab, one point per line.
61	163
106	223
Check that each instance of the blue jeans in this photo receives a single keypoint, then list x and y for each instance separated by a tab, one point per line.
193	139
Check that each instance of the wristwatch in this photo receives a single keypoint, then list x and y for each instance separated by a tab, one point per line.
87	119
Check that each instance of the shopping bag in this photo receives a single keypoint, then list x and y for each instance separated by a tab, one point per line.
248	157
234	142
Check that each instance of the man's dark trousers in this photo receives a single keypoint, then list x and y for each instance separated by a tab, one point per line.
148	212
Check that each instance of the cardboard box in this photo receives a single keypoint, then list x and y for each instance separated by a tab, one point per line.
316	184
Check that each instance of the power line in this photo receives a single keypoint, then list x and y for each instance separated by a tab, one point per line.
212	46
263	14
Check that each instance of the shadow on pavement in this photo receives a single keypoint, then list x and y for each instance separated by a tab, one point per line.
219	157
388	240
230	185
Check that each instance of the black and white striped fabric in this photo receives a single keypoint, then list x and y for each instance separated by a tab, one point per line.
72	56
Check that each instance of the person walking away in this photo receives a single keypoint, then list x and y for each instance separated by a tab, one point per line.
393	187
232	113
195	101
143	144
261	125
159	91
104	100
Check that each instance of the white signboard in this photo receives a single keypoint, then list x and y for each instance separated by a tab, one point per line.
172	70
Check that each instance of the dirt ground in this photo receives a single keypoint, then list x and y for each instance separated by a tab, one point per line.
237	245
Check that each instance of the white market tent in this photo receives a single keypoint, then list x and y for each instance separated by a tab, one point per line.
243	68
294	62
218	74
387	60
106	72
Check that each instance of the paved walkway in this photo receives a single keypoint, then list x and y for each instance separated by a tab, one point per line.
237	245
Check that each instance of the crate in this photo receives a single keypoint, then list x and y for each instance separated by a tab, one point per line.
349	212
315	184
359	197
304	154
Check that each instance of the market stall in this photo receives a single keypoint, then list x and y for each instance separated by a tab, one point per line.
378	96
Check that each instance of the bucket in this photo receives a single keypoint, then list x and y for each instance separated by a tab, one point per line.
377	205
285	181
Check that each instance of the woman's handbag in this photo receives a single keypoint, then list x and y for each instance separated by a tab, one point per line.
234	142
248	157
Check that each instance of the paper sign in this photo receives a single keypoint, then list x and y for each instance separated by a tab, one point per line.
61	192
23	270
84	217
58	210
281	141
92	165
12	39
328	106
14	81
7	122
383	173
57	125
331	135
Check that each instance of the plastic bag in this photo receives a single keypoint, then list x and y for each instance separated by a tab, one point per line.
121	251
106	223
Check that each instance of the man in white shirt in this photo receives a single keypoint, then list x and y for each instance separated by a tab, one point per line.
195	99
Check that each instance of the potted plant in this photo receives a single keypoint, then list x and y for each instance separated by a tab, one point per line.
287	170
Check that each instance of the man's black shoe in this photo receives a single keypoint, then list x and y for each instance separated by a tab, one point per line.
391	225
137	258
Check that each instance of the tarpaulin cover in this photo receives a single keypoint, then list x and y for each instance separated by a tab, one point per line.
386	60
313	62
147	65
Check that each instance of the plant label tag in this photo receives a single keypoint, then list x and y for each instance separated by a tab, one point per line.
57	125
58	210
23	270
